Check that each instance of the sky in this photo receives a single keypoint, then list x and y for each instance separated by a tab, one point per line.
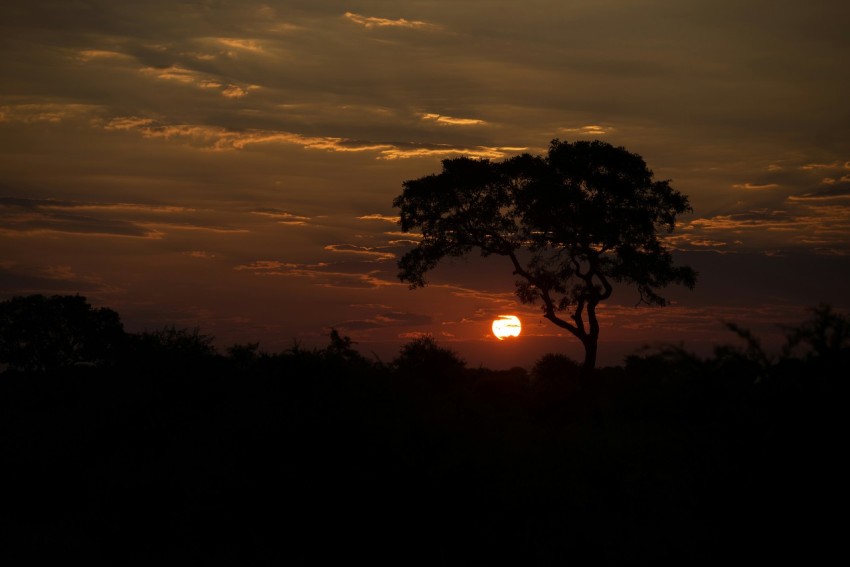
231	165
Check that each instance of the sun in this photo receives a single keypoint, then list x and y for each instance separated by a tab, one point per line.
506	326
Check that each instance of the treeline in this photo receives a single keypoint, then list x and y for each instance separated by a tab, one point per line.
154	448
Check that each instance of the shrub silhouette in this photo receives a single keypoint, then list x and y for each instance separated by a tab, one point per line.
244	355
423	358
171	340
825	336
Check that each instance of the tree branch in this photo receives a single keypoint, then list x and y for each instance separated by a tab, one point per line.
549	305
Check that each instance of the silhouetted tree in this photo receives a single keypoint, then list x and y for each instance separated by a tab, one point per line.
424	357
572	222
39	333
826	335
342	347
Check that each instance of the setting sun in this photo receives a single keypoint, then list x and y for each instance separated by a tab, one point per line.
506	326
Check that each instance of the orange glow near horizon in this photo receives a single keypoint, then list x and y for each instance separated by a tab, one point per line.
506	326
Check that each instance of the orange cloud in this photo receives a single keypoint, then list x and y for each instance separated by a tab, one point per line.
49	112
360	250
200	80
452	121
477	152
217	138
589	130
282	217
86	55
373	22
243	44
380	217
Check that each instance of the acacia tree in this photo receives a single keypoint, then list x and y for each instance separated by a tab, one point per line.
572	222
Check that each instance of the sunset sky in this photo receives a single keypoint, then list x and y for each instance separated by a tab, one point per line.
231	165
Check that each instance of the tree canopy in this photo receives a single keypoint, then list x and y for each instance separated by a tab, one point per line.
40	333
572	222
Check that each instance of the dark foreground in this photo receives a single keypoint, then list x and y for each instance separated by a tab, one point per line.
323	457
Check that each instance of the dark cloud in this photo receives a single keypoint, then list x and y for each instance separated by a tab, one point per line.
831	190
21	215
33	204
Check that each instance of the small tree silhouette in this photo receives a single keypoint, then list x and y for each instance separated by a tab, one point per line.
422	357
825	336
174	341
573	222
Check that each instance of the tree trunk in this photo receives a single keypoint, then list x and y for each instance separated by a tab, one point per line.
590	348
590	342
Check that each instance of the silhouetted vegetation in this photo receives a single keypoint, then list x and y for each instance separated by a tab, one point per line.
167	452
39	333
571	223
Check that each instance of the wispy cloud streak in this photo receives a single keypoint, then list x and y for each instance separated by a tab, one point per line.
375	22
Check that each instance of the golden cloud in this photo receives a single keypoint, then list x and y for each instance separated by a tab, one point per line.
244	44
282	217
86	55
200	80
404	234
48	112
380	217
816	221
360	250
478	152
452	121
373	22
217	138
588	130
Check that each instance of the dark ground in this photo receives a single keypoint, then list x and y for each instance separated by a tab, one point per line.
314	458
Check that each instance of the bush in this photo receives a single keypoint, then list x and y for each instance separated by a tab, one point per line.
422	357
